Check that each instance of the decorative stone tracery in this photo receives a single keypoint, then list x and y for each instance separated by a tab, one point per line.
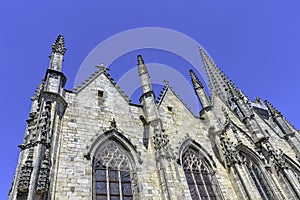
113	172
199	178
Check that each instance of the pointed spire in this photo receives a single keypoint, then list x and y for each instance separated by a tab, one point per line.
147	99
140	60
217	79
199	90
59	45
144	75
196	82
57	54
141	65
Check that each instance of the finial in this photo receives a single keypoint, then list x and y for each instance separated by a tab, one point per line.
113	123
59	45
140	60
102	67
196	82
258	100
166	82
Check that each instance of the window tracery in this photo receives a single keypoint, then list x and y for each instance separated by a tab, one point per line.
112	172
198	176
257	178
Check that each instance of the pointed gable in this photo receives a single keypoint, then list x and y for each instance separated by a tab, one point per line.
102	71
100	90
169	102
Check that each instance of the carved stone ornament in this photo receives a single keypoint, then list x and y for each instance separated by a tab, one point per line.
230	153
25	174
278	160
113	124
161	145
59	45
43	179
38	130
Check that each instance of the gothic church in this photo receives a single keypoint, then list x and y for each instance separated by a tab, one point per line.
93	143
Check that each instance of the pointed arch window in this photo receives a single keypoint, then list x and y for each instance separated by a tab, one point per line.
198	175
257	178
112	172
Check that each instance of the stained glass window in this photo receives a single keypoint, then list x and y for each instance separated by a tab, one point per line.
257	179
112	172
198	176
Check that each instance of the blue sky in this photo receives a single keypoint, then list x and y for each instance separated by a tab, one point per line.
256	43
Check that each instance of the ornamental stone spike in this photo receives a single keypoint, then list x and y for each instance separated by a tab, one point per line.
199	90
144	75
140	60
59	45
217	79
57	54
196	82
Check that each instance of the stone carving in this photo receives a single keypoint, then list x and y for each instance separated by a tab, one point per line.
161	144
43	179
25	174
229	151
278	160
44	125
113	124
38	128
59	45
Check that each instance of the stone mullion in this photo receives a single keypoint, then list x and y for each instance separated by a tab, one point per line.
199	168
292	182
259	183
107	183
196	186
278	191
120	184
252	178
245	185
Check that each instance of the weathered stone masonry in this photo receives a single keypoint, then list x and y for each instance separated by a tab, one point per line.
93	143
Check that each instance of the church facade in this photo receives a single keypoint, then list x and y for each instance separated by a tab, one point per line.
93	143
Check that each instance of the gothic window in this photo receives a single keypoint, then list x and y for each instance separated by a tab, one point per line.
198	176
112	172
257	179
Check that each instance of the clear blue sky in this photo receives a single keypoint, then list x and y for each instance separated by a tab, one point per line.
256	43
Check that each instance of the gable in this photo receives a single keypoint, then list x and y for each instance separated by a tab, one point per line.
101	91
171	104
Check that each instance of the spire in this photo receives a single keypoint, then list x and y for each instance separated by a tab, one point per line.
59	45
218	81
199	90
57	54
196	82
144	75
140	60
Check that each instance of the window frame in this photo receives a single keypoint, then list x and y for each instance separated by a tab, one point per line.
98	164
